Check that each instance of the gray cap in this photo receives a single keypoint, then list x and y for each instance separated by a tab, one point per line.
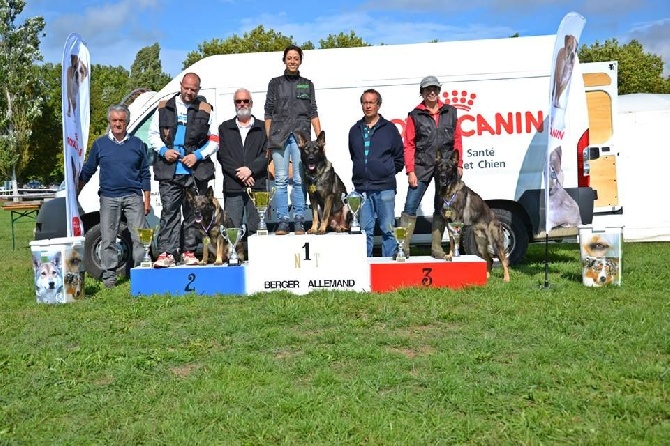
429	81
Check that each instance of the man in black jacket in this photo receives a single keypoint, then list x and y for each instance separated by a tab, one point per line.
242	148
180	136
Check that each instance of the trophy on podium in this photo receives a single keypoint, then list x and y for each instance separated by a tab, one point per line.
145	235
354	201
233	236
400	233
455	230
261	200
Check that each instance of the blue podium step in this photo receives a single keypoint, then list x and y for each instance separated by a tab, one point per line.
180	280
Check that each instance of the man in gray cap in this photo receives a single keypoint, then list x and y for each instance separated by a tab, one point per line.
430	127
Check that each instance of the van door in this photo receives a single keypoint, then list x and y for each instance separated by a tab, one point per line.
600	83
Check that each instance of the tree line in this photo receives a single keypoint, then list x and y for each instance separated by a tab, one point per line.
30	123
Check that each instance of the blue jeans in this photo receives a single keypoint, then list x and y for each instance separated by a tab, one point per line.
414	197
382	204
280	158
110	218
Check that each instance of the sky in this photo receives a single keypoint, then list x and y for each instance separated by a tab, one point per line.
115	30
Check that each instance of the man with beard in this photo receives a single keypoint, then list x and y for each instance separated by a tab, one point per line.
242	155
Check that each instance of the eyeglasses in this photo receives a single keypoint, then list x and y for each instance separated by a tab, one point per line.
242	101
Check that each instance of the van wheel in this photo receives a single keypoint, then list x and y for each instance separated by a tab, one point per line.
123	246
514	233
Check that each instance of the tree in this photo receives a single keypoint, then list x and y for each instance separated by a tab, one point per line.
256	40
109	85
342	40
20	101
639	72
46	140
147	71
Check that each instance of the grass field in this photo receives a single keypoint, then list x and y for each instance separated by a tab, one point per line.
501	364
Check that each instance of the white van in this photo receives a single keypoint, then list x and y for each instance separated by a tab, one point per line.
499	86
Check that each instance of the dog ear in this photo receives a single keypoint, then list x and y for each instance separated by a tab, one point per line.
190	194
300	139
57	260
37	261
455	156
321	139
210	192
438	156
589	261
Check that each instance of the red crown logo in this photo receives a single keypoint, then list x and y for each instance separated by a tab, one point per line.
462	100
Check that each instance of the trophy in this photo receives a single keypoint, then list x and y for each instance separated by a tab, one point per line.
400	233
233	236
145	235
354	201
261	199
455	230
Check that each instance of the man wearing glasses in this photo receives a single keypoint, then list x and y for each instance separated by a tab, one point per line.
242	146
430	127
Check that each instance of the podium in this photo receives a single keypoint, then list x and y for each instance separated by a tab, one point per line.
180	280
309	262
303	263
424	271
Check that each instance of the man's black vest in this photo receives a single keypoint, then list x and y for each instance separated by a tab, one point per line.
430	137
197	127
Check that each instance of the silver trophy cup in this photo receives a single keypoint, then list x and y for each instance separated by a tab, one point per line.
233	236
455	230
261	200
354	201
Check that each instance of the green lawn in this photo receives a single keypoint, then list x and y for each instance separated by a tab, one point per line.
500	364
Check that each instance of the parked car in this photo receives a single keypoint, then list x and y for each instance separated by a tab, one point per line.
33	184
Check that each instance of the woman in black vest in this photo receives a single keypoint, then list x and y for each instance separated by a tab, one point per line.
290	107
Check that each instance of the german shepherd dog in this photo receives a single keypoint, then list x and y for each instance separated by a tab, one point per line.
209	216
324	186
462	204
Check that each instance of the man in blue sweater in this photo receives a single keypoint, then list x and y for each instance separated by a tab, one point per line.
125	186
376	150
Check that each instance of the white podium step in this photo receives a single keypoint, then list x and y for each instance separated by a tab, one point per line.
303	263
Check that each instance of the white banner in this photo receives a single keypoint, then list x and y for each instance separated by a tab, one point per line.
559	206
76	122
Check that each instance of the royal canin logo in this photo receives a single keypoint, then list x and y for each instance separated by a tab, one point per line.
498	123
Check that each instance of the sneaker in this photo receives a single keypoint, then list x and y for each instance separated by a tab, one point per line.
164	260
188	258
299	227
282	229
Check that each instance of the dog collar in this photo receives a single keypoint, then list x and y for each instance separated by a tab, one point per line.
448	204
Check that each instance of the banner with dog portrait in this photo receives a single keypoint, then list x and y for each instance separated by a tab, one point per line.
76	121
561	210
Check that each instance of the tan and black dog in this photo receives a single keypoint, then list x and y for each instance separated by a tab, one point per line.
565	62
462	204
324	186
209	216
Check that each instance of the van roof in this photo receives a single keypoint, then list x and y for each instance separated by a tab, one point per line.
360	66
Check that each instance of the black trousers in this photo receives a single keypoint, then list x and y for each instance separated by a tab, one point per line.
176	235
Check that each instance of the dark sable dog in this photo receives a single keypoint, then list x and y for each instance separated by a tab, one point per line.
462	204
209	216
324	186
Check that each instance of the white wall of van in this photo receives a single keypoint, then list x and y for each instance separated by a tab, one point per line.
500	86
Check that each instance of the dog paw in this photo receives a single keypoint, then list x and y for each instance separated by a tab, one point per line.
438	254
312	231
218	262
201	263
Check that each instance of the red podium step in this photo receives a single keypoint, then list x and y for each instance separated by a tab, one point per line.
387	275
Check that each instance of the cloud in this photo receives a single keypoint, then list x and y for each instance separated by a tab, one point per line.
375	29
655	37
114	32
